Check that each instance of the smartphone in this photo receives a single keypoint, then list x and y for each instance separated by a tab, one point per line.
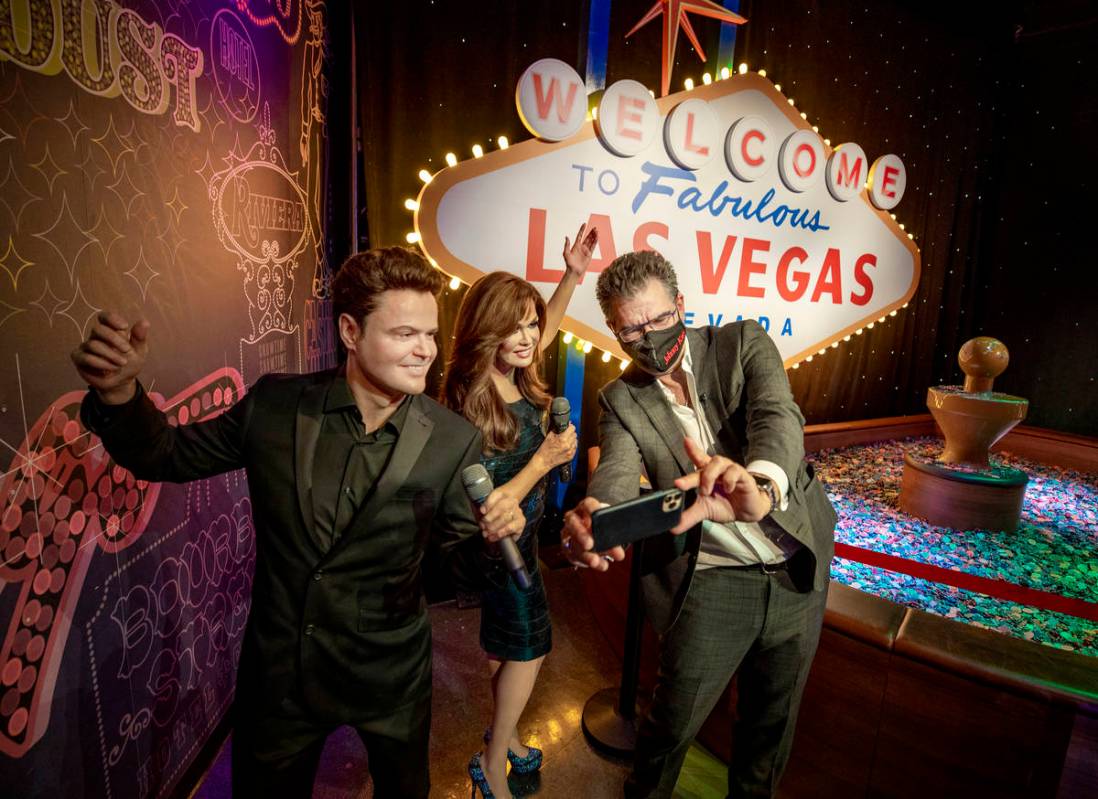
638	518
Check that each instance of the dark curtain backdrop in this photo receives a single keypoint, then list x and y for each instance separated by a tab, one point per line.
1034	283
986	103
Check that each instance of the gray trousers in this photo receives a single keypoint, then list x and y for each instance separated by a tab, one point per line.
732	621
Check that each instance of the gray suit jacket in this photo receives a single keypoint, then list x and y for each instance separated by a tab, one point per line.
747	402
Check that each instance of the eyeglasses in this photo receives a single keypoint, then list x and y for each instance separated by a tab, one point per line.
633	333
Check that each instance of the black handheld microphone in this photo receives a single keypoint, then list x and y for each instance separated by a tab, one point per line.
478	485
559	411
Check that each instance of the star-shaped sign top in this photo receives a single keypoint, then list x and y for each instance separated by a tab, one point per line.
675	16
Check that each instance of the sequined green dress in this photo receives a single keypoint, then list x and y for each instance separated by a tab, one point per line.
514	624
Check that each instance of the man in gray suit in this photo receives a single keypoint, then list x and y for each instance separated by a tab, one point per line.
740	585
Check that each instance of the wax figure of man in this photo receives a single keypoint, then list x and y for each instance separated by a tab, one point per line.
742	585
351	472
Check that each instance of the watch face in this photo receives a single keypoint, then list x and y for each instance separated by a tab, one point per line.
766	485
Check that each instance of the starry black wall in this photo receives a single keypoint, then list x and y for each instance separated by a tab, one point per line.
985	103
982	105
1033	281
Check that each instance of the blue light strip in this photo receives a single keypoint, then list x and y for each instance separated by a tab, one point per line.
571	386
598	40
726	53
570	369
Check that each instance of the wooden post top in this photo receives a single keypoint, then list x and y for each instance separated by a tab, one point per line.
982	359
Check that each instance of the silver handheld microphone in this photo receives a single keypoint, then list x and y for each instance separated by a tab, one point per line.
478	485
559	412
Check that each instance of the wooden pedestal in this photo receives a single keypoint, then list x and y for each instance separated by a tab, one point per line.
962	500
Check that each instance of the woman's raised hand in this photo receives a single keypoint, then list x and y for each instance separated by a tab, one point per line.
577	255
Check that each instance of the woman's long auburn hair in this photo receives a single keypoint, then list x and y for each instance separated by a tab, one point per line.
492	310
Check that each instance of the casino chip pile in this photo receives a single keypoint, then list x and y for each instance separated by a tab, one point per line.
1054	550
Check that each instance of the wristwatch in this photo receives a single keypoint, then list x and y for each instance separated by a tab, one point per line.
766	485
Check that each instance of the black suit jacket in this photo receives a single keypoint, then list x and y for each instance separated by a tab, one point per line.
751	412
347	628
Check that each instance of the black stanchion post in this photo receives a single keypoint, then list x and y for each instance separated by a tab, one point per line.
610	715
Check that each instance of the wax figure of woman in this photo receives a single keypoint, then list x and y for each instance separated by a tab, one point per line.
493	378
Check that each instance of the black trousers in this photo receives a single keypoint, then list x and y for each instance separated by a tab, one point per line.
275	752
732	621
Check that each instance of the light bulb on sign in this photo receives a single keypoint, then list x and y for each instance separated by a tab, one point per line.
451	159
587	347
743	68
425	176
503	142
455	283
478	151
725	73
412	237
688	83
777	87
707	78
411	205
762	73
606	357
567	339
624	364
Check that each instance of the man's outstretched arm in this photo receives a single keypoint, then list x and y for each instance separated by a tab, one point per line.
136	433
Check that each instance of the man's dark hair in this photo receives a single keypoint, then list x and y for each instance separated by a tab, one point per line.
366	275
629	273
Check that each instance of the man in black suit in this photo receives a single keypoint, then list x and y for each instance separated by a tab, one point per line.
351	473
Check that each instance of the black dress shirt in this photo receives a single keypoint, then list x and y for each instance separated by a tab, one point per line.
348	460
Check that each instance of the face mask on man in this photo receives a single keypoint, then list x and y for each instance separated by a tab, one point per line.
658	351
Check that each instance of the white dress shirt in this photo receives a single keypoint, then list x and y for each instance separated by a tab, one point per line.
735	543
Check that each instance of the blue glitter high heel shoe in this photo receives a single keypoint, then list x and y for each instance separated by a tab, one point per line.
479	778
520	765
